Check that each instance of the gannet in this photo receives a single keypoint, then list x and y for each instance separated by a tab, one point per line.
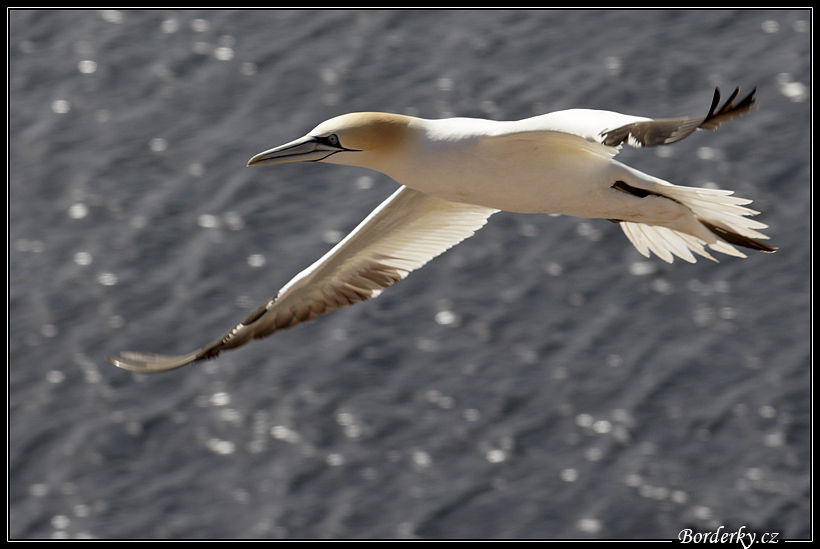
455	173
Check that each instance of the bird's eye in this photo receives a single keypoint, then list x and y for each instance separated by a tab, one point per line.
332	140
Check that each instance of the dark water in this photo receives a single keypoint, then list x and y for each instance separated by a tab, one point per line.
541	380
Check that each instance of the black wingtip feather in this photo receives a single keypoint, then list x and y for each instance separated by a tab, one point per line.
729	110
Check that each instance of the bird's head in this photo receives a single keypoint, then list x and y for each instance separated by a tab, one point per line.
367	139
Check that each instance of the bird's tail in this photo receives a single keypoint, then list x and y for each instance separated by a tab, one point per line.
723	222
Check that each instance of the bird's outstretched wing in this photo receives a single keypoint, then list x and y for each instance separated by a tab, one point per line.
662	131
406	231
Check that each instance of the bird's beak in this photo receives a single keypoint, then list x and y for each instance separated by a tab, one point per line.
304	149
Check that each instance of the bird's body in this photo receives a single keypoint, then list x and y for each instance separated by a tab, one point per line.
563	173
455	173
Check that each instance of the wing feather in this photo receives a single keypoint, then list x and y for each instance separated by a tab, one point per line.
662	131
406	231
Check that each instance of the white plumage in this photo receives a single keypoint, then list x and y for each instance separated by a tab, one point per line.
455	173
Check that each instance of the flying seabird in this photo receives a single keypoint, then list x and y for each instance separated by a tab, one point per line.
455	173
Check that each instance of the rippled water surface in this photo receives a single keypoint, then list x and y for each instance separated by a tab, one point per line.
541	380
